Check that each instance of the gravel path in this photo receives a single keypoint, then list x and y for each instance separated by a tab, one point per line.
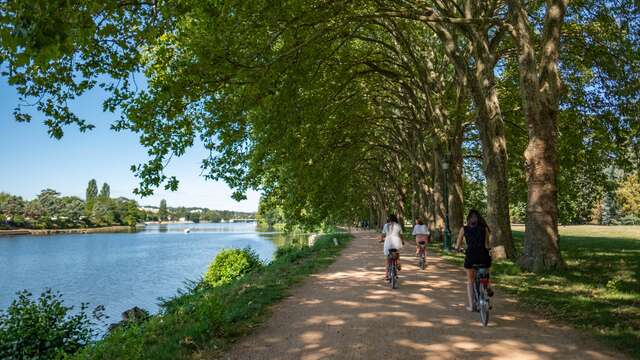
348	312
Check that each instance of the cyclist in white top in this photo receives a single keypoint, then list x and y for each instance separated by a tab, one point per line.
422	235
392	238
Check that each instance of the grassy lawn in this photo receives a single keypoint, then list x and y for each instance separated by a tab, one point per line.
203	321
598	292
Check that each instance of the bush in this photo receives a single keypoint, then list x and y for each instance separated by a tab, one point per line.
44	328
291	251
518	212
231	264
630	220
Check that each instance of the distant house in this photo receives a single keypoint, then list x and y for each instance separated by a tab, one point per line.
196	211
149	209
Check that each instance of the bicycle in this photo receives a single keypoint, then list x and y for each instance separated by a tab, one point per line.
481	298
422	256
392	268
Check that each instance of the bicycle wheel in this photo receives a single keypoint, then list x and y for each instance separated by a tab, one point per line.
476	295
421	263
394	277
484	306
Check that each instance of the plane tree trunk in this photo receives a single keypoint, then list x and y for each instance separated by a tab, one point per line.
540	87
494	155
438	197
456	204
481	83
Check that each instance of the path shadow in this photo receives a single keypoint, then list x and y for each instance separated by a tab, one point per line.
349	312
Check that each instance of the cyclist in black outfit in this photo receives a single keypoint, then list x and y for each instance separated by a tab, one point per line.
476	234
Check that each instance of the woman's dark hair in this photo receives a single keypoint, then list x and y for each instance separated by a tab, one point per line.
481	221
419	221
393	218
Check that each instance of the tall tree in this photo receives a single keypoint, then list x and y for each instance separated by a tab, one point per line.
105	192
163	212
473	40
72	211
51	202
12	208
104	213
540	88
628	196
91	194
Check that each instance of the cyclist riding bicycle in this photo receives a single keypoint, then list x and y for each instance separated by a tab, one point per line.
476	233
421	234
393	240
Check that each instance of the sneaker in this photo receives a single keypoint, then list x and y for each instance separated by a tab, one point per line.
399	267
489	291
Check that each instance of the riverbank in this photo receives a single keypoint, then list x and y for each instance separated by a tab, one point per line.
203	320
104	229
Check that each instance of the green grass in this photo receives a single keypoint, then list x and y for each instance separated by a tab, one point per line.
202	322
598	292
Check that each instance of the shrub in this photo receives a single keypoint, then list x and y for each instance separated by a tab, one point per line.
628	196
231	264
630	220
291	251
44	328
518	212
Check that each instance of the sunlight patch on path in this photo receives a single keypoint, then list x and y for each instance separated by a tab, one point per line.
349	312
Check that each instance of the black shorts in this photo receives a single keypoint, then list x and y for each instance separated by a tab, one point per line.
477	257
422	242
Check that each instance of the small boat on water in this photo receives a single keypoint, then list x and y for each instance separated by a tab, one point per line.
187	230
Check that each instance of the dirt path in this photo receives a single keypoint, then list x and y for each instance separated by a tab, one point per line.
348	312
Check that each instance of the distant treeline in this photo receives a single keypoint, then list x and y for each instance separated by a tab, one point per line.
195	214
51	210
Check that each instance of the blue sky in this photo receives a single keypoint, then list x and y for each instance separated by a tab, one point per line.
31	161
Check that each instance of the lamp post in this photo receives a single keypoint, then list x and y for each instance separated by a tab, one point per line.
447	231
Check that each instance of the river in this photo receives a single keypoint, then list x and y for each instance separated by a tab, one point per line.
121	270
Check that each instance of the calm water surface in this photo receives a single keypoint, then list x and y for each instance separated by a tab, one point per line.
123	270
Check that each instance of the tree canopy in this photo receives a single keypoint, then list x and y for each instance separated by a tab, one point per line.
337	111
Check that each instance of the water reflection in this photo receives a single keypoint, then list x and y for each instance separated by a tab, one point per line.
278	238
281	239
